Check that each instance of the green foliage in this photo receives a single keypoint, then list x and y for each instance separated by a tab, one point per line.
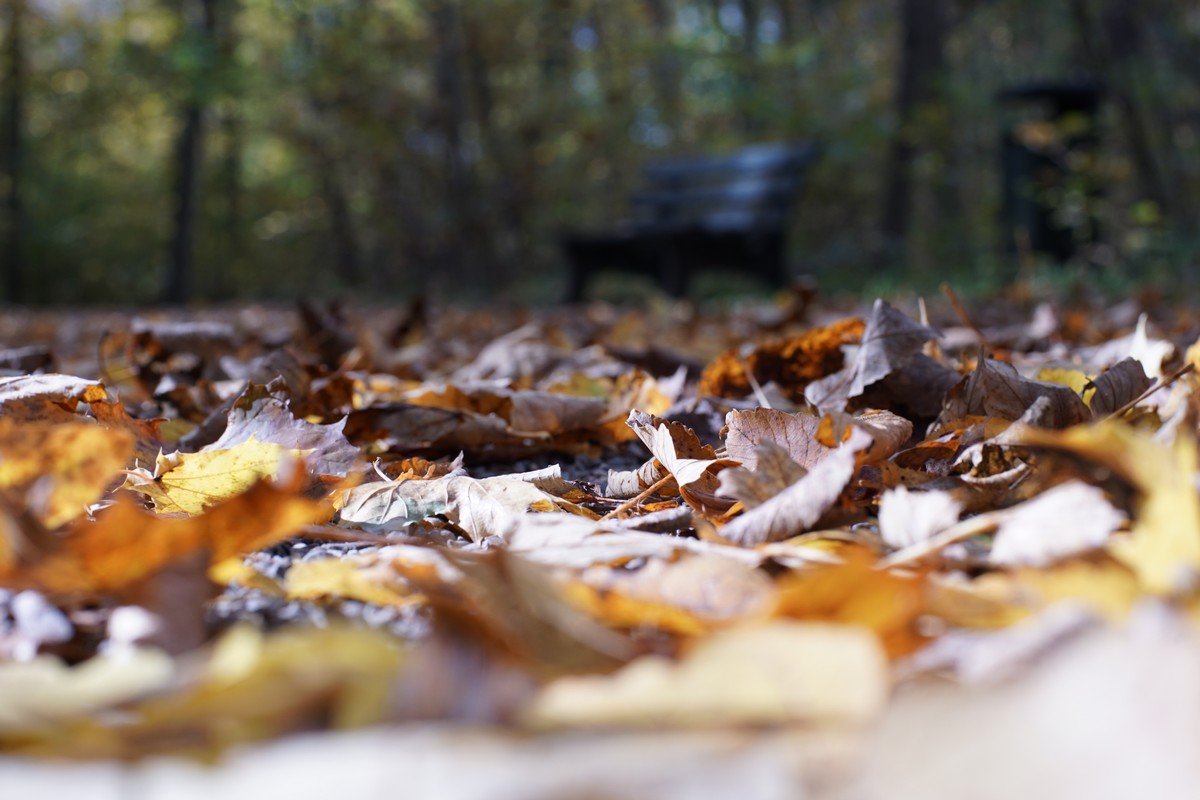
388	146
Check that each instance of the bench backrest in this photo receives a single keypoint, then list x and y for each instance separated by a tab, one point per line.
750	189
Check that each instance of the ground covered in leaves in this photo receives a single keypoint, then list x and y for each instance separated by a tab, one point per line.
825	534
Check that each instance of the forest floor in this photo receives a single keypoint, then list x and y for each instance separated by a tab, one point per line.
913	549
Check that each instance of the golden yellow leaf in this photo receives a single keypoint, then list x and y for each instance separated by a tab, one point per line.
362	578
855	593
189	482
62	467
126	544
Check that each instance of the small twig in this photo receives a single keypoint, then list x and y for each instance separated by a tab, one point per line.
628	504
759	395
960	310
1167	381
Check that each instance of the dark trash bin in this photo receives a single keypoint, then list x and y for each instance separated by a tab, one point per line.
1048	153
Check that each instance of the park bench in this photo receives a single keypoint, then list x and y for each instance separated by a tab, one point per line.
702	212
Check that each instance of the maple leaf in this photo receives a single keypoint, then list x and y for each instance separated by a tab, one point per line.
189	482
260	416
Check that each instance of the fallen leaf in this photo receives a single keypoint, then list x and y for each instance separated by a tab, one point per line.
125	544
1163	545
480	507
795	433
996	389
46	398
61	468
801	505
190	482
890	342
754	674
1120	384
257	415
1070	518
906	518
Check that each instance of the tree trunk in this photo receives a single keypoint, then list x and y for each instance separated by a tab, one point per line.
451	115
665	68
14	104
232	136
189	157
923	29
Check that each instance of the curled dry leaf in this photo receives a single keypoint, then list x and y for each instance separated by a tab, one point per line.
1070	518
480	507
799	507
774	471
996	389
795	433
1120	384
890	342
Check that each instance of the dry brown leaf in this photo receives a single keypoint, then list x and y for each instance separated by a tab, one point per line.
799	507
995	389
46	398
890	342
480	507
795	433
774	471
1118	385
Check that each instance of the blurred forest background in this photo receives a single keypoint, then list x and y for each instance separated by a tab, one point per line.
201	150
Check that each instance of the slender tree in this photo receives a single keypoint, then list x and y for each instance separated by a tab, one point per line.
923	28
189	159
14	106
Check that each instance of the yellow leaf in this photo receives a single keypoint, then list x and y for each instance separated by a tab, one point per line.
365	579
189	482
62	467
762	673
1073	379
126	544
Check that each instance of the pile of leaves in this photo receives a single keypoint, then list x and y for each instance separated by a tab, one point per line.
226	529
